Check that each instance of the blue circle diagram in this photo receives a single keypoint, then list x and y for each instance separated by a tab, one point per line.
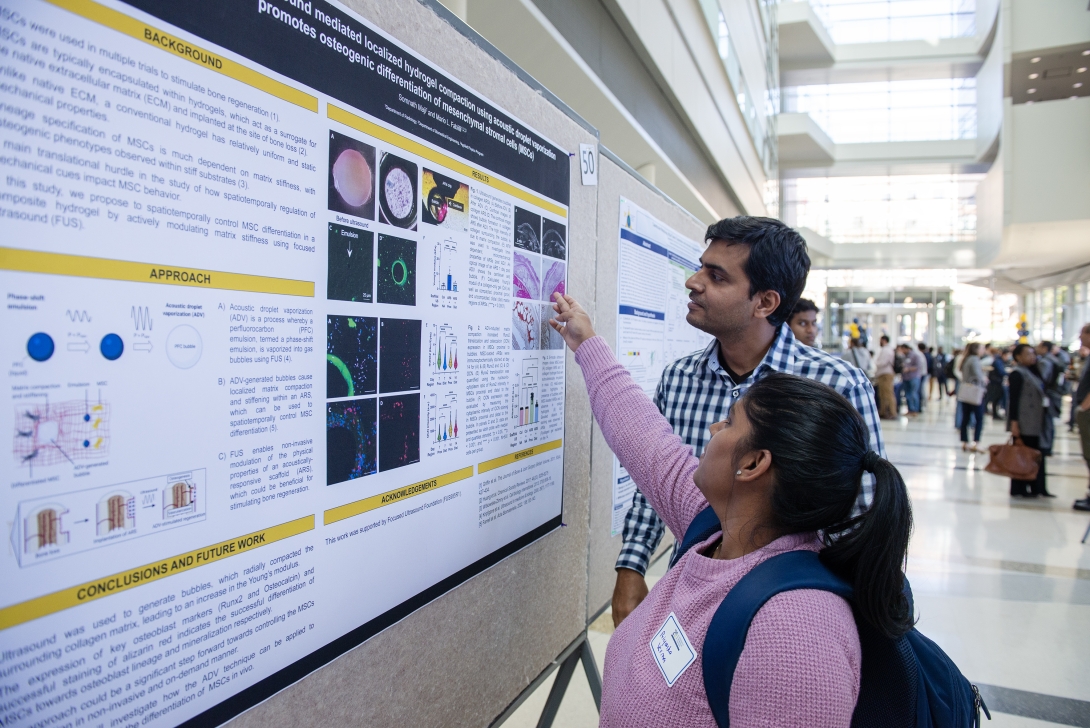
112	346
40	346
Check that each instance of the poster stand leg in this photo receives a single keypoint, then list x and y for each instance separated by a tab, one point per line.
566	661
581	653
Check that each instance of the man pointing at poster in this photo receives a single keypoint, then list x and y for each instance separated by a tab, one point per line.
753	272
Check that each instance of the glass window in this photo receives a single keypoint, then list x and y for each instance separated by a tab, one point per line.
878	21
890	111
930	208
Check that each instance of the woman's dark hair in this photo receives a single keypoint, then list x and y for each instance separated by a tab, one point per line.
972	349
777	260
820	447
1019	349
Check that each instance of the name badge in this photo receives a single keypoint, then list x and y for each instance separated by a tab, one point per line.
671	650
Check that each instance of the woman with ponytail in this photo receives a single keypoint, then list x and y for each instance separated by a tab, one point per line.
782	473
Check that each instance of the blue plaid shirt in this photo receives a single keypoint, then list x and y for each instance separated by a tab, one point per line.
696	391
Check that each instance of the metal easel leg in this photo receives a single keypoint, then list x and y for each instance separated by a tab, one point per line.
560	686
591	668
583	654
1085	535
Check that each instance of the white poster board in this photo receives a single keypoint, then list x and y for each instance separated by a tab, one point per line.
277	360
654	261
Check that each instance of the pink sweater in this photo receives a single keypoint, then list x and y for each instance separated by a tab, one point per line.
800	664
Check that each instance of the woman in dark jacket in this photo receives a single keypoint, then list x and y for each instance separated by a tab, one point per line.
1028	417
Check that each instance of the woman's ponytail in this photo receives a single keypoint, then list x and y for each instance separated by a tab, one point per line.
820	449
870	551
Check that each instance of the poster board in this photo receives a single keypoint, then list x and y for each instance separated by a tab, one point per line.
619	186
347	350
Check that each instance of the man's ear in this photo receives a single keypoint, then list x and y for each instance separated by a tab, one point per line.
767	303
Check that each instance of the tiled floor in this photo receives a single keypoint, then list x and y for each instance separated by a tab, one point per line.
1003	585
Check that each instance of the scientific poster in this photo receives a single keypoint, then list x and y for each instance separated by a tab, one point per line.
278	370
653	263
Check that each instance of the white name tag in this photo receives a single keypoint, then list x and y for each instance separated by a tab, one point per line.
671	650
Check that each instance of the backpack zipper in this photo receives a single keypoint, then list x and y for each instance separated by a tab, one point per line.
978	704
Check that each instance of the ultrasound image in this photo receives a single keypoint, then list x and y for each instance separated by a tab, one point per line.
553	239
350	436
351	264
398	431
399	355
527	230
351	356
396	271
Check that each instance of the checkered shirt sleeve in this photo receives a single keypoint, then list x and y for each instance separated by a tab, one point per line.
643	529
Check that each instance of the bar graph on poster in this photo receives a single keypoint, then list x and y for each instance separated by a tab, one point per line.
654	261
277	300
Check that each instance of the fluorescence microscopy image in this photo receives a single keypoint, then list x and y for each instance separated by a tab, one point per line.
397	194
525	276
554	241
552	279
527	230
396	270
351	430
399	355
525	325
351	176
398	431
351	264
351	352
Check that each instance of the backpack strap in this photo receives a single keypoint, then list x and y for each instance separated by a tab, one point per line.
703	527
726	634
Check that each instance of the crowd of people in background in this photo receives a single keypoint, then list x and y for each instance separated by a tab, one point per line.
1020	384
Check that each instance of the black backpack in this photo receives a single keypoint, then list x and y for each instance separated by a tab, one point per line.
948	369
905	683
898	363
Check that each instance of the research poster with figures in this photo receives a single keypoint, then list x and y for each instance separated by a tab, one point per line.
278	368
653	263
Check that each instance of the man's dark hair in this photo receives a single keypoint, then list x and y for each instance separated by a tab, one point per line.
803	305
922	347
778	260
883	338
1046	343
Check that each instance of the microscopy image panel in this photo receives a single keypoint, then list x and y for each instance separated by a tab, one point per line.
351	351
446	201
399	355
397	194
396	271
526	275
525	325
398	431
554	239
552	278
351	438
351	176
548	337
351	264
527	230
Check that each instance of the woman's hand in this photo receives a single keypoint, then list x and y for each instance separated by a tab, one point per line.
1016	432
572	323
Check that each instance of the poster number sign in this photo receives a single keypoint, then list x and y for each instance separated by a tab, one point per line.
588	164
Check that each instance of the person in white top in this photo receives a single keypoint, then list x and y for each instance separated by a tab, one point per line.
858	356
883	367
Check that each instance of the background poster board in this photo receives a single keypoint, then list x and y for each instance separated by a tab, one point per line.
616	182
273	256
654	261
